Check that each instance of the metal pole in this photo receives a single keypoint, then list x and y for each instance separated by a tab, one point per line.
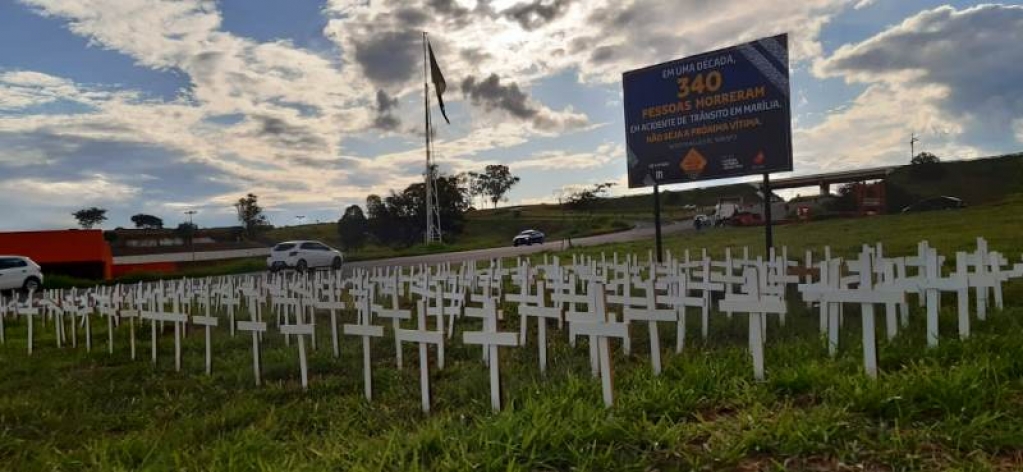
657	219
426	120
767	214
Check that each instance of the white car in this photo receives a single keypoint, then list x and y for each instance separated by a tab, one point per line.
304	255
17	272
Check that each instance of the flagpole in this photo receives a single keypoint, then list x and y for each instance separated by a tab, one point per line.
426	120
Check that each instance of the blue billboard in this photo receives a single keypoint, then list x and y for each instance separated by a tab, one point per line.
716	115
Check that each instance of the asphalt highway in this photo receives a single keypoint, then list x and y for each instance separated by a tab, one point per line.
641	232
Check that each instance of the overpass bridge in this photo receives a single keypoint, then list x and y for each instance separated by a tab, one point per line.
824	180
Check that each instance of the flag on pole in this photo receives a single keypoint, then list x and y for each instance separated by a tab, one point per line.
438	82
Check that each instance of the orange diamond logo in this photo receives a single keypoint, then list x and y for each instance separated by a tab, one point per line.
693	163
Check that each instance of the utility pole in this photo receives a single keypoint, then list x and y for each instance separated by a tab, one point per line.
912	146
191	232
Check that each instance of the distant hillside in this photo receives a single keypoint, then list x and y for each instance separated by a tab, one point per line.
976	181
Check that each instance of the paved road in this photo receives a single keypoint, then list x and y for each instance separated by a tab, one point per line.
641	232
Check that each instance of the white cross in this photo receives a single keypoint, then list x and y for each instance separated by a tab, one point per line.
177	319
602	329
866	296
396	315
542	314
423	337
256	328
651	314
300	330
207	322
366	330
29	312
756	305
491	339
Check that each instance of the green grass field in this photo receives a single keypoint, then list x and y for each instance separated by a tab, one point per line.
955	407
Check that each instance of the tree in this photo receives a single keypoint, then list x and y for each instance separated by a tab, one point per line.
352	228
586	199
926	166
186	231
144	221
400	218
89	217
924	158
250	214
494	182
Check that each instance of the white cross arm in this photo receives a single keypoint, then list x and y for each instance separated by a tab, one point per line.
415	336
607	330
862	296
679	301
539	311
483	337
753	305
160	316
206	320
252	325
364	330
389	313
948	285
474	312
642	314
322	305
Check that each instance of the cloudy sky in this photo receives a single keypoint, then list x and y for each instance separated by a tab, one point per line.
163	106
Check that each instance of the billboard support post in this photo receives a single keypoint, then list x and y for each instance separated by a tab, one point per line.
657	220
768	234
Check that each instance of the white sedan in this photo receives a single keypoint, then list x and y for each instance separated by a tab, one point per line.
17	272
304	255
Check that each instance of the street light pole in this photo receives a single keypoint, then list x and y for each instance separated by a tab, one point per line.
191	232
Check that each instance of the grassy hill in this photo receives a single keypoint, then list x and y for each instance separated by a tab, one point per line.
977	181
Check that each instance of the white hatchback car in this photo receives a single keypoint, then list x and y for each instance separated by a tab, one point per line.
17	272
304	255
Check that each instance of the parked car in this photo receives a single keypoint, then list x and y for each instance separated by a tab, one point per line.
304	255
528	237
701	221
17	272
936	203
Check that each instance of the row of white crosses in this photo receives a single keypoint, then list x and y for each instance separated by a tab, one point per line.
599	299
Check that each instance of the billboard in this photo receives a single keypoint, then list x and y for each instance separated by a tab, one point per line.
716	115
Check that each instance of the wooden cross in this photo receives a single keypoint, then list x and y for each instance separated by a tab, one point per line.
866	295
300	330
602	329
366	330
396	315
706	288
651	314
756	305
491	339
177	319
257	328
131	315
542	313
29	312
207	322
678	298
423	337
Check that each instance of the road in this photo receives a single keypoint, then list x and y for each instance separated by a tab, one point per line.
641	232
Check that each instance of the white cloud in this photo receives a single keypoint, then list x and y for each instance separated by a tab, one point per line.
561	160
